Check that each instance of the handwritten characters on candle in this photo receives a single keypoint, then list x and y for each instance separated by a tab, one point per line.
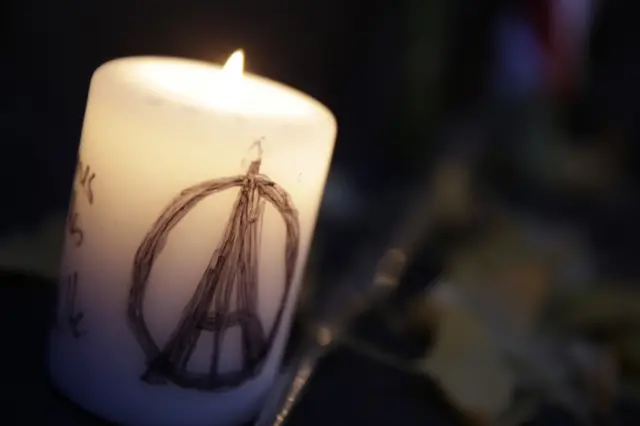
72	316
228	292
84	184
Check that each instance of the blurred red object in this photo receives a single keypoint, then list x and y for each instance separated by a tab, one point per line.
562	28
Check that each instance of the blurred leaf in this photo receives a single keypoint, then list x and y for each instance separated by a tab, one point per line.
601	309
467	364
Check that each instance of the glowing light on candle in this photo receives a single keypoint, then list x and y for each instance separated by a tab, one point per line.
223	88
234	67
230	87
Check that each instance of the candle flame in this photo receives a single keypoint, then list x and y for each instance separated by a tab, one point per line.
230	91
235	64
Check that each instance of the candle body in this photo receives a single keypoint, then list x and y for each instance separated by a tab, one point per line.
166	317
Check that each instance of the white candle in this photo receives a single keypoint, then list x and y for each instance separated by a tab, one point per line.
194	205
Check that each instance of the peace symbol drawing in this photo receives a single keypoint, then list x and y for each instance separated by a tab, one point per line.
227	294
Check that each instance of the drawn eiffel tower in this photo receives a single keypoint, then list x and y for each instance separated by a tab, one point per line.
227	294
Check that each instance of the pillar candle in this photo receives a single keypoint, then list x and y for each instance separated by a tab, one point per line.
193	208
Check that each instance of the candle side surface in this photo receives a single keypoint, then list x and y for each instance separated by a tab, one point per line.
192	216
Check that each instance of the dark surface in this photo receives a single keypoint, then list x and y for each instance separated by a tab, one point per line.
347	389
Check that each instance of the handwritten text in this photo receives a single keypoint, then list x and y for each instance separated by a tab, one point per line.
72	316
83	183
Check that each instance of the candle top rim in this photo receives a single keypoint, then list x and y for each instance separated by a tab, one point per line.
158	73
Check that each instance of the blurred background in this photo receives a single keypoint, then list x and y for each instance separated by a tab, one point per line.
539	93
520	114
